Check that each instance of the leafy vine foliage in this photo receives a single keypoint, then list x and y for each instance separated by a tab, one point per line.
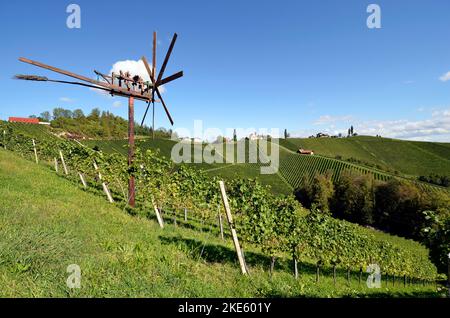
279	225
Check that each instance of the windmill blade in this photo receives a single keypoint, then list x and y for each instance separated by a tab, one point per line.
105	77
117	90
149	70
37	78
152	78
171	78
145	115
164	105
154	57
166	59
30	78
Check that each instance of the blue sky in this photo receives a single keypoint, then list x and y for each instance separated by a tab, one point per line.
307	66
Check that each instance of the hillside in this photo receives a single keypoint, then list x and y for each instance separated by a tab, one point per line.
294	167
45	229
412	158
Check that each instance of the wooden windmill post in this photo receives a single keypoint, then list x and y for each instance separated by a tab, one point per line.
123	84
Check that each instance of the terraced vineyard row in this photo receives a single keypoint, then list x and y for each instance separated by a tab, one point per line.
294	167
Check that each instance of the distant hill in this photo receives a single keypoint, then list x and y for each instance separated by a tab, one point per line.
411	158
293	167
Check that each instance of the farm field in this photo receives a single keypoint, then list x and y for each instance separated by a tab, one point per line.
294	167
407	157
49	222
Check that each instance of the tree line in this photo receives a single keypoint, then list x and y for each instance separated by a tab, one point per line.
96	124
395	206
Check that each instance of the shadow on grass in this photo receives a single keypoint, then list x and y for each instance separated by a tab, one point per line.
395	294
214	253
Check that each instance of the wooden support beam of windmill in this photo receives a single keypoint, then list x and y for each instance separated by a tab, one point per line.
134	89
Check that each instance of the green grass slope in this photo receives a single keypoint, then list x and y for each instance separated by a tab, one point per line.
408	157
48	223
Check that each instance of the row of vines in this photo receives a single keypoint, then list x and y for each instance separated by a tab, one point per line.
279	225
294	167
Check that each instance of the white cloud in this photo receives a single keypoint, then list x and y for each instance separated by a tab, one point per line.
408	82
135	68
445	77
66	99
329	119
434	128
117	104
437	127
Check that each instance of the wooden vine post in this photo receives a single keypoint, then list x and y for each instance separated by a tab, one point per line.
131	181
185	215
105	187
35	152
220	222
56	164
158	214
83	181
448	274
4	139
63	162
233	230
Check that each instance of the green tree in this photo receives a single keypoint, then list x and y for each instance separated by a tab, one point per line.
95	114
78	114
59	112
45	116
322	191
317	192
399	206
354	199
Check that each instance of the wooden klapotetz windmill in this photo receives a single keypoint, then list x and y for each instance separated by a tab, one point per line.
123	84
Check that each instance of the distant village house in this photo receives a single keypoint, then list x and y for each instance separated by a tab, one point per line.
305	152
32	121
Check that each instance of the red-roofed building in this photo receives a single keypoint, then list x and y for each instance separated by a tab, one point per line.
34	121
305	152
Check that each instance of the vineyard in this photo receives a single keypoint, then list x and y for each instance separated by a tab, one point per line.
293	170
397	157
294	167
277	225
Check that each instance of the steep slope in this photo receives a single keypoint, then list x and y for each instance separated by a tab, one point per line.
48	223
408	157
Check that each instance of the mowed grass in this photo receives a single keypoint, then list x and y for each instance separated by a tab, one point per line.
407	157
48	223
